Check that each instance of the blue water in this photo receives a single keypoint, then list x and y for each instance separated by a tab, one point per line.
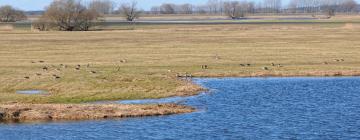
235	108
31	92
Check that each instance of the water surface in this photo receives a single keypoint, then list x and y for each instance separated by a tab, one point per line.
31	92
235	108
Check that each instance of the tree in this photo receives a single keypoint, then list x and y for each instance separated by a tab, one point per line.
155	10
234	9
349	6
68	15
185	9
167	8
129	11
102	6
10	14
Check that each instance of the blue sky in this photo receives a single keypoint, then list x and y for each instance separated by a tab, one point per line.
40	4
144	4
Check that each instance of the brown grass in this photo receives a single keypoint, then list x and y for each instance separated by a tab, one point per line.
56	112
156	54
6	27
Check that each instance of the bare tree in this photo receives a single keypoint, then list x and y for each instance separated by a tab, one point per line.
234	9
130	11
167	8
10	14
349	6
155	10
185	9
213	6
68	15
102	6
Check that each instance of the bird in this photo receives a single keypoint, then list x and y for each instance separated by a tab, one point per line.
204	66
77	68
38	74
56	76
243	65
41	61
325	63
45	68
93	72
336	60
272	64
27	77
123	61
265	68
248	65
217	57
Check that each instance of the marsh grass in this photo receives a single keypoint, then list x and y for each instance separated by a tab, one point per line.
156	54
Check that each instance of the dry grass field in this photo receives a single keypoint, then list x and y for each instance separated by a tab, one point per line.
143	62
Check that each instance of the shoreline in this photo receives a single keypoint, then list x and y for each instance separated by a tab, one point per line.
19	113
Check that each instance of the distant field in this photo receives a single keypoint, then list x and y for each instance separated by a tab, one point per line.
139	62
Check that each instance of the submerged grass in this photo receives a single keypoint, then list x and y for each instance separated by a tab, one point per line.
143	62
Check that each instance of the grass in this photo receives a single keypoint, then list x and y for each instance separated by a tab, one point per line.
58	112
156	54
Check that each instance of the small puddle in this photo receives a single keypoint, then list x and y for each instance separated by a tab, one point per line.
31	92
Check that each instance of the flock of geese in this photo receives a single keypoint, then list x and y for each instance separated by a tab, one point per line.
186	75
59	68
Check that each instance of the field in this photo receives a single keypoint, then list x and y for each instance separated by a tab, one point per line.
145	61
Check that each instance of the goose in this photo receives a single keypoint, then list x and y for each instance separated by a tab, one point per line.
45	68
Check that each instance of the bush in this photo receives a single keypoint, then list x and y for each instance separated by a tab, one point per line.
67	15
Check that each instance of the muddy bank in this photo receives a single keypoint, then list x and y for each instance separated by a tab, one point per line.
53	112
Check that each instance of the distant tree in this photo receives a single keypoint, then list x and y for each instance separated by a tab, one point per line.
102	6
10	14
167	8
233	9
130	11
155	10
185	9
213	6
67	15
349	6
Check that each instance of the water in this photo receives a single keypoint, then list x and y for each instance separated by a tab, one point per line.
235	108
30	92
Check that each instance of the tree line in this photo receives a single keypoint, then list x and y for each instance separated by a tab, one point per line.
222	7
75	15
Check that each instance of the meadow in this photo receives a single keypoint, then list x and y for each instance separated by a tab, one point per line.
146	61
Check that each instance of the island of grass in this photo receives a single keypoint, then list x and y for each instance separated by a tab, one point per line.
156	61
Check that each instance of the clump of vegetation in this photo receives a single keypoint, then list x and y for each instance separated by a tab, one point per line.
236	9
67	15
49	112
10	14
130	11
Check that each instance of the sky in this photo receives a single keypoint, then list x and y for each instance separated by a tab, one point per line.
29	5
40	4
